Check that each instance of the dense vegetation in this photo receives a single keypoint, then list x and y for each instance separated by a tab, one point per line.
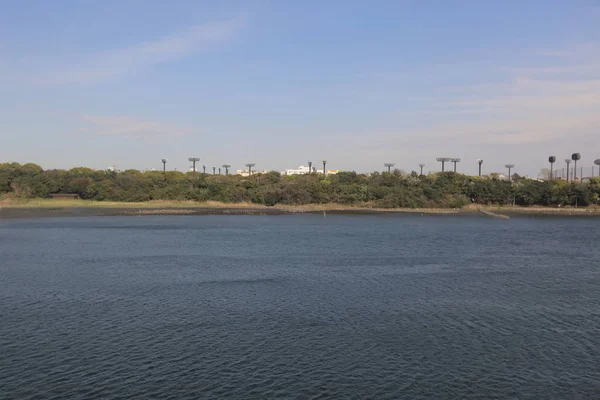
388	190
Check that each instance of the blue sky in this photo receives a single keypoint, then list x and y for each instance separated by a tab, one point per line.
279	83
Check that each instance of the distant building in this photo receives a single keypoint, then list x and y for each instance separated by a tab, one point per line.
244	172
301	170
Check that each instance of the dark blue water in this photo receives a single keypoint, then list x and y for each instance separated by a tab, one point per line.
300	307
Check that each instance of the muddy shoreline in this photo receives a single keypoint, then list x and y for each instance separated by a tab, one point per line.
53	212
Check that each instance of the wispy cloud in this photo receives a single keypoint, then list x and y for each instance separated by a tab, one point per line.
128	126
538	103
102	66
541	103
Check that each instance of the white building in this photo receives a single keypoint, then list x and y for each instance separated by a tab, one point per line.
244	172
301	170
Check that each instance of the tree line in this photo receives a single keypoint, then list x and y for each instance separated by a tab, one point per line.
387	190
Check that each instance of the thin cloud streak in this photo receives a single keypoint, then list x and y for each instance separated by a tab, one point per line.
103	66
528	108
128	126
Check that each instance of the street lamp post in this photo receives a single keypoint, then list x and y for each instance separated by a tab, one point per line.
575	157
443	160
194	160
552	160
510	167
454	161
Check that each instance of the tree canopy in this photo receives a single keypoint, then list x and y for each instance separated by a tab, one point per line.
387	190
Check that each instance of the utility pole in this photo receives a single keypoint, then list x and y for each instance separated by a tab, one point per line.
389	166
480	161
194	160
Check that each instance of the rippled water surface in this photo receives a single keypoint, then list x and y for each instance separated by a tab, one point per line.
300	307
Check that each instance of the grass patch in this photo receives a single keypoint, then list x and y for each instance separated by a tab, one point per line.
78	203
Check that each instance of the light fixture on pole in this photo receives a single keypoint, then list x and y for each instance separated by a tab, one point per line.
551	160
575	157
443	160
454	161
510	167
194	160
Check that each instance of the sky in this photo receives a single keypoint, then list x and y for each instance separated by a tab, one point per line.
279	83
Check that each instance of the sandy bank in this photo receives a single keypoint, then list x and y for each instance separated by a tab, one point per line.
74	208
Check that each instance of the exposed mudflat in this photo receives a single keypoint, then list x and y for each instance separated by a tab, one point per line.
12	212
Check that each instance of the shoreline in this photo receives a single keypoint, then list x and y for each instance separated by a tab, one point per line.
81	208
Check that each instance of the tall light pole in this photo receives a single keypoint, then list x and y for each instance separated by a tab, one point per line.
575	157
309	167
455	160
226	166
510	167
164	161
597	162
421	166
480	161
194	160
568	161
551	160
324	164
389	166
250	165
443	160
